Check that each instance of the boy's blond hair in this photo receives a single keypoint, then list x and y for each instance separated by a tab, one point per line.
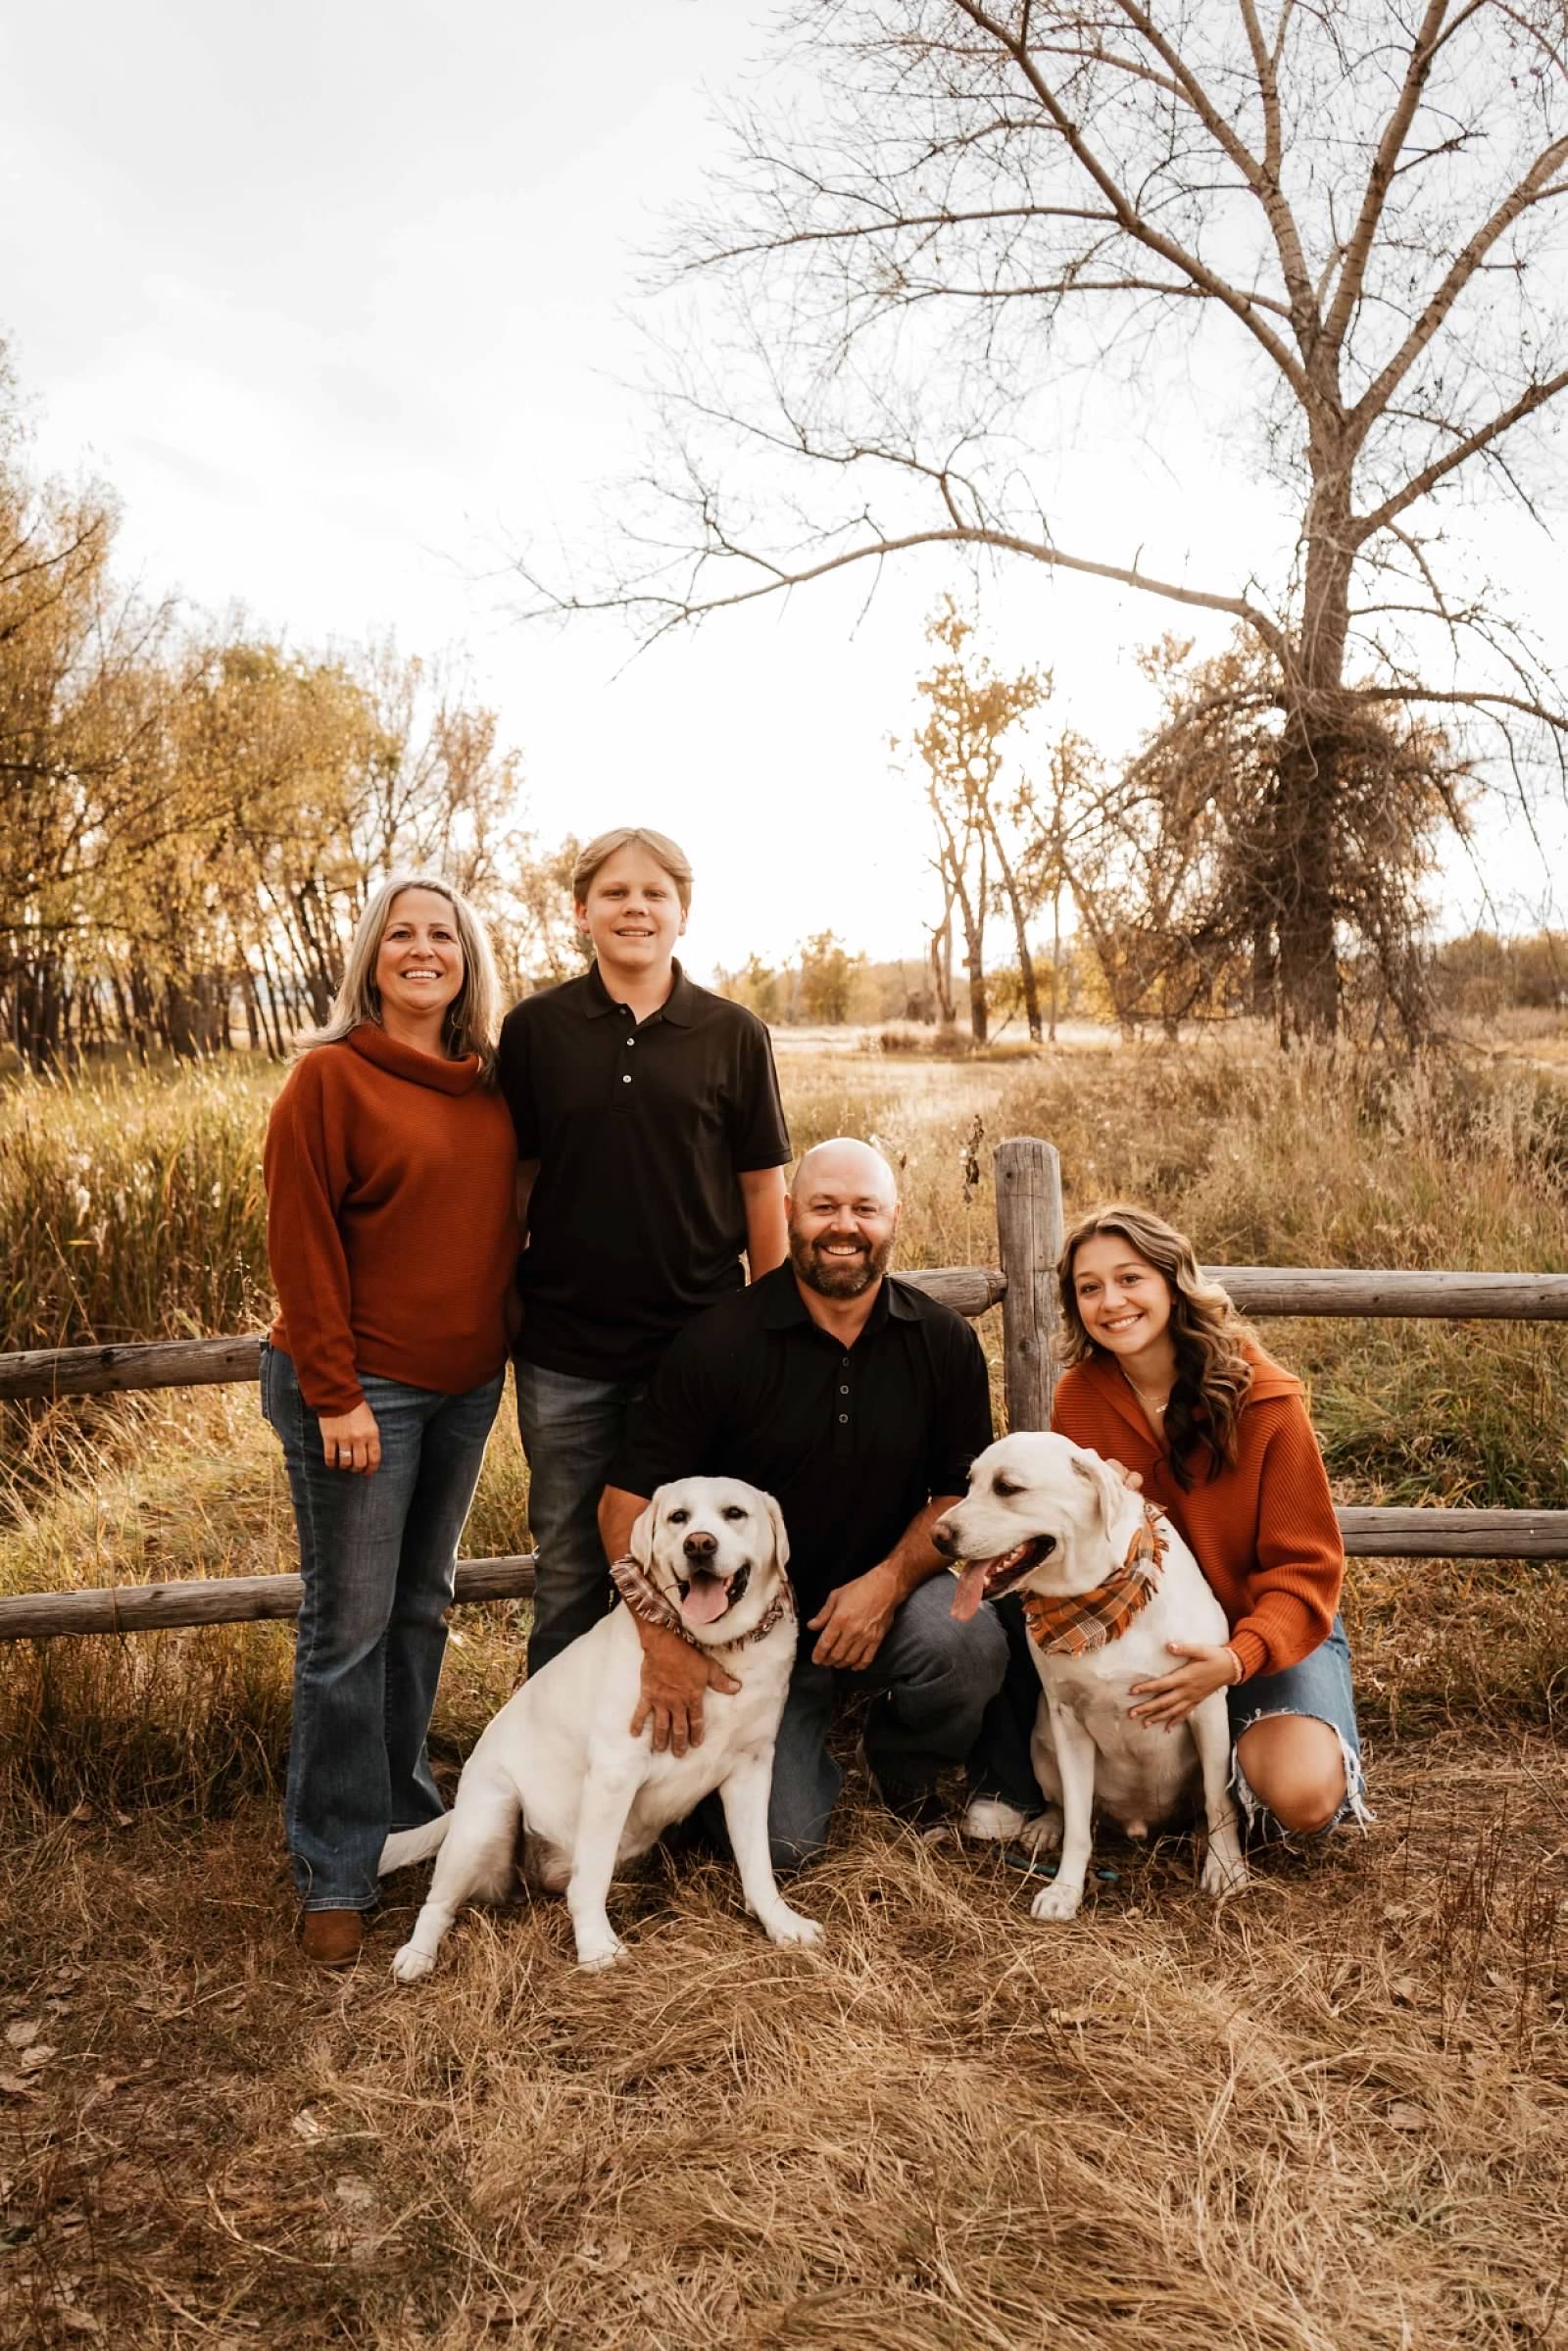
659	847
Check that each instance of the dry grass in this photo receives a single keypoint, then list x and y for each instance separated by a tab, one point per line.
1333	2113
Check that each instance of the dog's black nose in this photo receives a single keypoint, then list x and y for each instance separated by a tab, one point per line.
944	1540
699	1546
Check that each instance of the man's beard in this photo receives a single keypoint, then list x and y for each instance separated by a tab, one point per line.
838	1277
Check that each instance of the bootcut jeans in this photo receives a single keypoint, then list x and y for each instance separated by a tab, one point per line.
378	1557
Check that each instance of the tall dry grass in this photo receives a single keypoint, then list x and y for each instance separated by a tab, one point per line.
132	1206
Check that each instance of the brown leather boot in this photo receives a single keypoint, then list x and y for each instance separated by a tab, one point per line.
332	1937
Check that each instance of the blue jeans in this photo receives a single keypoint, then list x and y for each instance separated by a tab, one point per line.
933	1680
1319	1686
377	1554
571	1431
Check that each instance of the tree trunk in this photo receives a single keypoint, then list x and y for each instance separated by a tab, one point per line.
1026	966
1305	842
1308	991
942	967
974	964
1265	966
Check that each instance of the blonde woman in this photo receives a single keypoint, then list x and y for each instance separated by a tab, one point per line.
1165	1379
392	1234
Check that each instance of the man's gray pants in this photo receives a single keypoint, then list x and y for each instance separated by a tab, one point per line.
933	1680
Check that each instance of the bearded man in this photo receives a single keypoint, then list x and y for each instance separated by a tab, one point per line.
858	1403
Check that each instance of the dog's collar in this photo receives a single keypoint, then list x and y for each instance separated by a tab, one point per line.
1087	1619
644	1598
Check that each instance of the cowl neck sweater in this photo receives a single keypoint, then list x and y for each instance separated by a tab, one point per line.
1264	1532
391	1221
436	1070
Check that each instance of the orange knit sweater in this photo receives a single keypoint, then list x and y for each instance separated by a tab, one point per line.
1264	1533
391	1221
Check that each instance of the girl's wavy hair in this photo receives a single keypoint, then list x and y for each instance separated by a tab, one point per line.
474	1016
1213	1374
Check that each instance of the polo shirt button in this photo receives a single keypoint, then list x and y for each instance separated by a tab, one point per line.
844	1391
631	1041
844	1416
626	1080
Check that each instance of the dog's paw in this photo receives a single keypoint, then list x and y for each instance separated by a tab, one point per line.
786	1925
1042	1833
411	1963
1225	1871
594	1958
1056	1902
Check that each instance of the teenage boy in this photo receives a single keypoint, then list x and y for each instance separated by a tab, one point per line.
652	1146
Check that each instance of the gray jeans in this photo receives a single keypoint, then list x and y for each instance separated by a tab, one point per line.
932	1679
571	1431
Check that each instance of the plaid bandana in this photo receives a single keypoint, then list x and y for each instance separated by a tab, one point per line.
1088	1620
644	1598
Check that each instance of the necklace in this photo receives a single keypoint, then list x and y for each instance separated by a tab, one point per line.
1144	1397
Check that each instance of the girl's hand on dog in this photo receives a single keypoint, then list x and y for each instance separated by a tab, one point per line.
1172	1697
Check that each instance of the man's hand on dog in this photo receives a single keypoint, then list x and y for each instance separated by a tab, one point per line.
1172	1696
852	1621
675	1679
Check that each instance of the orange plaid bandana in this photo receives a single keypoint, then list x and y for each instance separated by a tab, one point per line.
1088	1620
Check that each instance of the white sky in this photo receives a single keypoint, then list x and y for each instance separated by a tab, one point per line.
335	297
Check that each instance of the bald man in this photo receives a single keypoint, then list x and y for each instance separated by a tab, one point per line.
858	1403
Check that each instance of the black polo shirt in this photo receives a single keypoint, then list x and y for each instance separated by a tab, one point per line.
640	1130
851	1443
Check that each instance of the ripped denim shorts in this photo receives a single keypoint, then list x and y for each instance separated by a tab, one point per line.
1318	1686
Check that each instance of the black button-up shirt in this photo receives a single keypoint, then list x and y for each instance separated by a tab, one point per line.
640	1130
852	1441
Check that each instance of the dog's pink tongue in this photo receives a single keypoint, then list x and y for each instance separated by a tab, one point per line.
706	1598
971	1589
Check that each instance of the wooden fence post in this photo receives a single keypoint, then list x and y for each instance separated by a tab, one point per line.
1029	1235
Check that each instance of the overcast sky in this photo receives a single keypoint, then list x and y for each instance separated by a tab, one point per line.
336	297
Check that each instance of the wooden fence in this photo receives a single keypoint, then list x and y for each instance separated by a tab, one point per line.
1029	1235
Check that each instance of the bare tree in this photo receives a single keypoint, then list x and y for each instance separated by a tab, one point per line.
971	709
1345	223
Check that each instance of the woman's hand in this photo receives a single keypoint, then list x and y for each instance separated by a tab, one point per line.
1172	1697
351	1439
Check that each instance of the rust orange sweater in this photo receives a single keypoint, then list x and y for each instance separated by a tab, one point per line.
391	1221
1264	1533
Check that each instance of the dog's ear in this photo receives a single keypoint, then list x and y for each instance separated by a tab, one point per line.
781	1541
1110	1494
640	1542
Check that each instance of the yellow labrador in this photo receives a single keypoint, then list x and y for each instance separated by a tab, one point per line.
1046	1517
710	1556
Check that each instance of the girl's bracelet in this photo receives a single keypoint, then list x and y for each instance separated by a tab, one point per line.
1240	1674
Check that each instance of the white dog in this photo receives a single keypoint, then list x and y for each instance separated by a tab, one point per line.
709	1556
1049	1518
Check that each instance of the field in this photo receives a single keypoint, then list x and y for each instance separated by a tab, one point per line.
1334	2113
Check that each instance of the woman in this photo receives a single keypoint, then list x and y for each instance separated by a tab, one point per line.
392	1231
1167	1381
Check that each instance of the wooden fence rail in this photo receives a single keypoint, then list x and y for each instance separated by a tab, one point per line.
1327	1292
1029	1232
